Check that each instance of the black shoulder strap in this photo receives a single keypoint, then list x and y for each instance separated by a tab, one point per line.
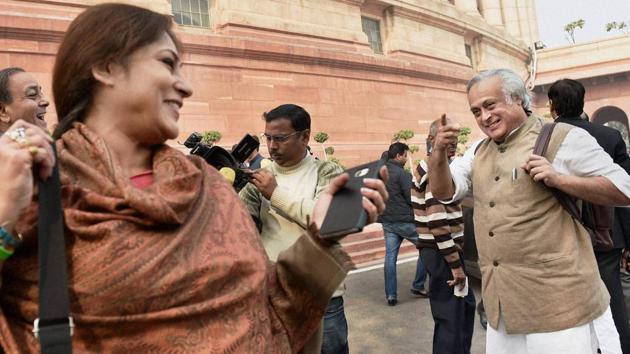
53	328
540	149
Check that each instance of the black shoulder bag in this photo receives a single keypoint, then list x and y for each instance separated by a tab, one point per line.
596	219
54	326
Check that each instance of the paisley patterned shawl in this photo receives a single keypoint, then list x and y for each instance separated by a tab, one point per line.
176	267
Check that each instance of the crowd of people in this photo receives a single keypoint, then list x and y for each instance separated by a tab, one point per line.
164	255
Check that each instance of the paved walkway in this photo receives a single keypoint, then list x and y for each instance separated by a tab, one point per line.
376	328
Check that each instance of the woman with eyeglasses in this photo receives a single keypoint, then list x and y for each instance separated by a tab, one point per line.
162	256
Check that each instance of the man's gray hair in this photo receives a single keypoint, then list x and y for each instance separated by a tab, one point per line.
512	84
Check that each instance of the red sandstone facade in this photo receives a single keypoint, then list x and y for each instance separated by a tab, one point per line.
257	54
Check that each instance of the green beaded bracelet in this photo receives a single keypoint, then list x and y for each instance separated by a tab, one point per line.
5	253
6	238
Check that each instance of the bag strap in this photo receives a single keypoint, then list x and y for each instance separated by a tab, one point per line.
54	326
540	149
542	142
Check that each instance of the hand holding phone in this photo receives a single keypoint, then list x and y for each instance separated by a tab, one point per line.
347	211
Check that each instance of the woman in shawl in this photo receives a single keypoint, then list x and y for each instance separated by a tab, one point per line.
162	255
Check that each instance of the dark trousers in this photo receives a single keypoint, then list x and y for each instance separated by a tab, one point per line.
608	263
454	317
335	339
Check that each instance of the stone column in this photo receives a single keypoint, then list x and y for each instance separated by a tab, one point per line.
467	6
523	20
533	21
511	18
491	11
528	27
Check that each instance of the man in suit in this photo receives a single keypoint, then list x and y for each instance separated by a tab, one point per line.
566	98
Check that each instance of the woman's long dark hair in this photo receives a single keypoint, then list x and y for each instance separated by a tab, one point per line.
103	34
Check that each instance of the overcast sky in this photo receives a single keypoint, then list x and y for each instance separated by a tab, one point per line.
553	15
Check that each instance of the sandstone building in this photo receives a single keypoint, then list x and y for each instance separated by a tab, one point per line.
364	69
603	67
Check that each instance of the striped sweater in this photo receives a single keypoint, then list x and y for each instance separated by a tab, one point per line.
440	226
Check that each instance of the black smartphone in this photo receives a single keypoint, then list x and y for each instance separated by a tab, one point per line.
244	148
346	214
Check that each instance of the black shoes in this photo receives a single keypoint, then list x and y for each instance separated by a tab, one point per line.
415	292
419	293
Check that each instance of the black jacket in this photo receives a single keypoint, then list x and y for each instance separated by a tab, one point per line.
611	141
398	207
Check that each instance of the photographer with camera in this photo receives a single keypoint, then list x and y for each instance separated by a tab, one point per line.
282	197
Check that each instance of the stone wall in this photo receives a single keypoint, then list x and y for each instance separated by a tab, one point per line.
258	54
602	66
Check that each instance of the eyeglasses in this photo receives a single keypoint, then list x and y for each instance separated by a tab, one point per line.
279	138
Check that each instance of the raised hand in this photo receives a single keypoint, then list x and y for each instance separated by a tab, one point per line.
24	149
447	134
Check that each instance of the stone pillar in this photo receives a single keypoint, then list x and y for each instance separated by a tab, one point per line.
527	23
467	6
523	20
491	11
533	21
511	17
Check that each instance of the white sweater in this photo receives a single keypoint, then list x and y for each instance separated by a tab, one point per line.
285	217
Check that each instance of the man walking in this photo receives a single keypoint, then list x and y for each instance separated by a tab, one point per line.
541	288
398	223
566	98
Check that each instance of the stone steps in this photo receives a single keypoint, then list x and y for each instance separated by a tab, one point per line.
367	248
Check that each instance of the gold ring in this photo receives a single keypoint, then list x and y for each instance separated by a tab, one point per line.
33	150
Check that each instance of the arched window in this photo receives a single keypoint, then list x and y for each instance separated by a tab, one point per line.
613	117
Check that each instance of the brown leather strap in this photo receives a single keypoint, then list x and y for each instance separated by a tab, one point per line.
540	149
542	142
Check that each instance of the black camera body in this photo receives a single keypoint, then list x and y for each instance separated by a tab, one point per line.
220	158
